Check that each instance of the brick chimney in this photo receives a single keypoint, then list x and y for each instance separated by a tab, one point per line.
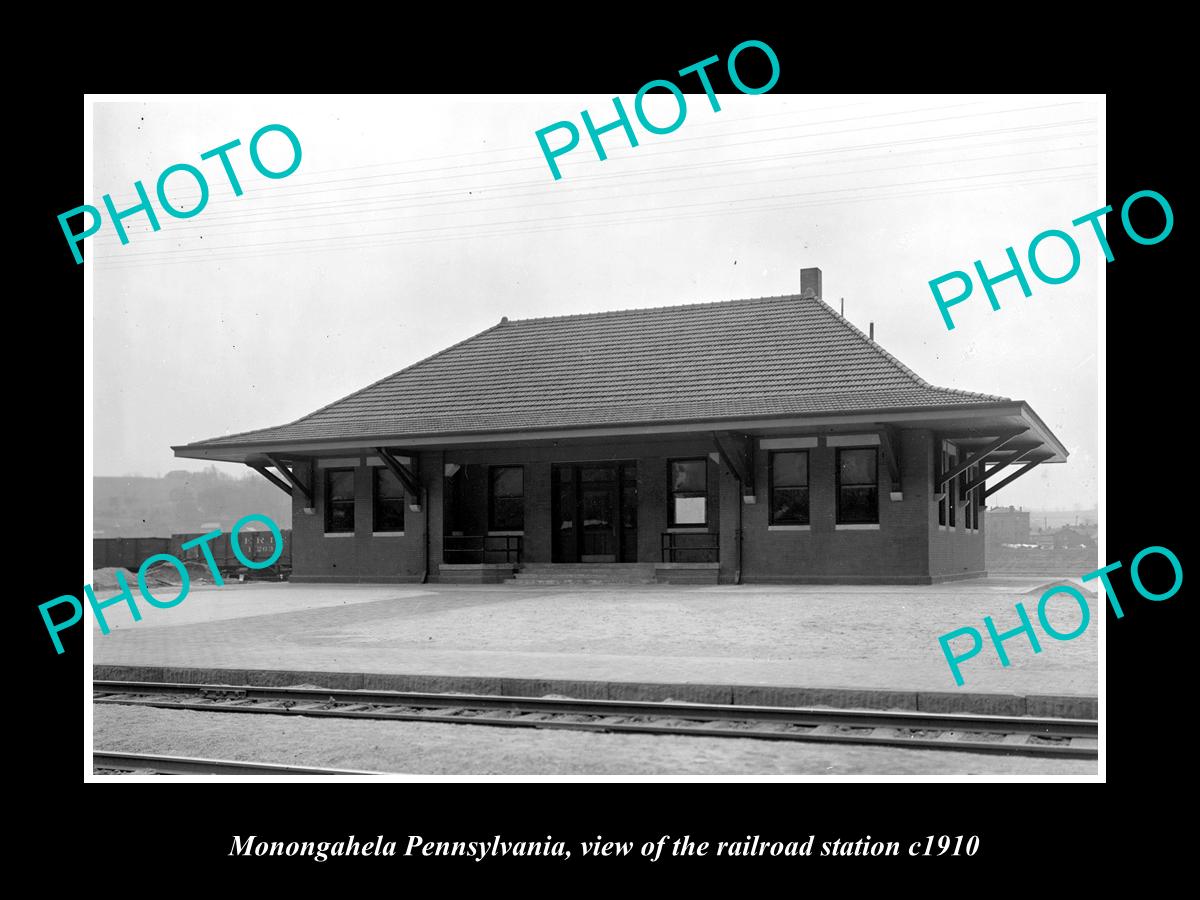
810	283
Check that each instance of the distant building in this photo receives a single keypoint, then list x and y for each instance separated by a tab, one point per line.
1053	519
1070	538
1007	525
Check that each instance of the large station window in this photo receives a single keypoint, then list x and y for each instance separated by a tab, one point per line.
952	490
947	506
789	487
857	485
689	492
339	501
943	465
506	500
970	500
388	501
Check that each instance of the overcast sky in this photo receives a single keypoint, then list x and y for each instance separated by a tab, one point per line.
415	222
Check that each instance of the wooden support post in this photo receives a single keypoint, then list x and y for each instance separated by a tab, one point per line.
292	477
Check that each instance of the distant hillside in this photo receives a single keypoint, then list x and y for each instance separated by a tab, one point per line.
183	502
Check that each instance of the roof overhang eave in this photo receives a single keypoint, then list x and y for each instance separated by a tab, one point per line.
931	416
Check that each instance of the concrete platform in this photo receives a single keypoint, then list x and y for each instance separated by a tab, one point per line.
809	645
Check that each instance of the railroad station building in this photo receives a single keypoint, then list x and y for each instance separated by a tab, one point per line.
762	440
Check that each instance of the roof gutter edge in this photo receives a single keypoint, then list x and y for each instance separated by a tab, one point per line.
236	452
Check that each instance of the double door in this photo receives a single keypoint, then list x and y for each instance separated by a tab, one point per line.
595	512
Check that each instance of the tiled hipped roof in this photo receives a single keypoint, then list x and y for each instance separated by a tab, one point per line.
773	356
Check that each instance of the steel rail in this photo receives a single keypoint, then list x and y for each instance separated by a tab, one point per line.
190	765
1012	735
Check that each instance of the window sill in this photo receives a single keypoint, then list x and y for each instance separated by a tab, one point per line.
860	526
789	528
688	529
339	534
506	534
387	534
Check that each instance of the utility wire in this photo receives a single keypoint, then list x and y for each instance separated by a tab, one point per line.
656	176
327	220
623	222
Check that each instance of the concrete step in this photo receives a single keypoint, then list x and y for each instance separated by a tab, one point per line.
569	581
584	573
571	568
640	573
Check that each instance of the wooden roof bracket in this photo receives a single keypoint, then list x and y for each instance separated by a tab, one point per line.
985	475
408	478
292	477
274	479
737	451
981	456
1032	463
887	443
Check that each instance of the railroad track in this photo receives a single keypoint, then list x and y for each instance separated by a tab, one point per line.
112	762
1009	735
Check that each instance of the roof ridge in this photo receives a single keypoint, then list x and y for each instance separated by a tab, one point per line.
649	309
873	344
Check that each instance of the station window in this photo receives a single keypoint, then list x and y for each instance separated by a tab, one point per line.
980	498
965	499
689	492
388	501
857	485
971	501
506	501
943	461
789	487
952	490
339	501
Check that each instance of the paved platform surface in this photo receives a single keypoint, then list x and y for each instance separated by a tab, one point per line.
855	637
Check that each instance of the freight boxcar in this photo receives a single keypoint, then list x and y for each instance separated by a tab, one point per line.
126	552
256	546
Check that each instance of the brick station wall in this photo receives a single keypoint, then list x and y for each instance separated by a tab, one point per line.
362	556
907	546
898	551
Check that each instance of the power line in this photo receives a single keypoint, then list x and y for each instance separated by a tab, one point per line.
752	117
591	181
557	230
653	217
485	195
586	215
527	149
326	217
663	174
648	154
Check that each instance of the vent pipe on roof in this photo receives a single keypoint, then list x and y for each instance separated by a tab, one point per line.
810	283
872	331
843	312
